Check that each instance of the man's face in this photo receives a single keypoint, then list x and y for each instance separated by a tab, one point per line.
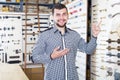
60	17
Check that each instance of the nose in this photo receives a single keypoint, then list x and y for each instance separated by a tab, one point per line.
61	16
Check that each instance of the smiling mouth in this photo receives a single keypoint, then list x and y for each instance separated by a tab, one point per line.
61	21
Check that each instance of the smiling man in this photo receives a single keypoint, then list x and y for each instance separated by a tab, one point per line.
57	46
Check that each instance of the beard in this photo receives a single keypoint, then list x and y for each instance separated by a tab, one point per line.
61	26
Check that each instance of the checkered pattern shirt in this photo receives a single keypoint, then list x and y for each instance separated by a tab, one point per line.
52	38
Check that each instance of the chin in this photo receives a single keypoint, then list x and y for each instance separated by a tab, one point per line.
61	26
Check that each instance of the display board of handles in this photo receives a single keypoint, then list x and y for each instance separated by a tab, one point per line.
12	36
105	62
78	21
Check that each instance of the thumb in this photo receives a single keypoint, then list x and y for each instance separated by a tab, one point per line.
57	48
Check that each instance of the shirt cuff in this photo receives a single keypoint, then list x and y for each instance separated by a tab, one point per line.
94	39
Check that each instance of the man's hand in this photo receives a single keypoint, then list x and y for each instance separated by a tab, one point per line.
58	53
96	29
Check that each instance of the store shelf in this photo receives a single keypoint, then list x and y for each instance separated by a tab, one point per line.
23	3
10	3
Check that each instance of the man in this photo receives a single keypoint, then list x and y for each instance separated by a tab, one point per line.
56	47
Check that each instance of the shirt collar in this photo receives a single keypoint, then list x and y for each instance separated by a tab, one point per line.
56	30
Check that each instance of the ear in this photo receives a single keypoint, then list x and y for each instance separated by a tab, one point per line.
51	18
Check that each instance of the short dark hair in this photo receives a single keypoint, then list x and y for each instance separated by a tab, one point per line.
58	6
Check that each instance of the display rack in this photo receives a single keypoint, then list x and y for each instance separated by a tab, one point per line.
11	38
77	11
12	32
105	62
18	34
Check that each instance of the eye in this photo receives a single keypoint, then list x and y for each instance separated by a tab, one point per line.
64	14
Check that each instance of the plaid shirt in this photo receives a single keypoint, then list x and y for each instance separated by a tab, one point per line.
52	38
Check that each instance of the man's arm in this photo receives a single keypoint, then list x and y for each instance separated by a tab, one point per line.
89	47
38	53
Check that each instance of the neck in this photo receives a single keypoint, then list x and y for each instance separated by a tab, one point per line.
61	29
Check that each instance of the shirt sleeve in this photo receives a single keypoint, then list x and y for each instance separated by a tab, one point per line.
38	54
89	47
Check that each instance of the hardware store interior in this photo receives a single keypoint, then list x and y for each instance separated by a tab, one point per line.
22	21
